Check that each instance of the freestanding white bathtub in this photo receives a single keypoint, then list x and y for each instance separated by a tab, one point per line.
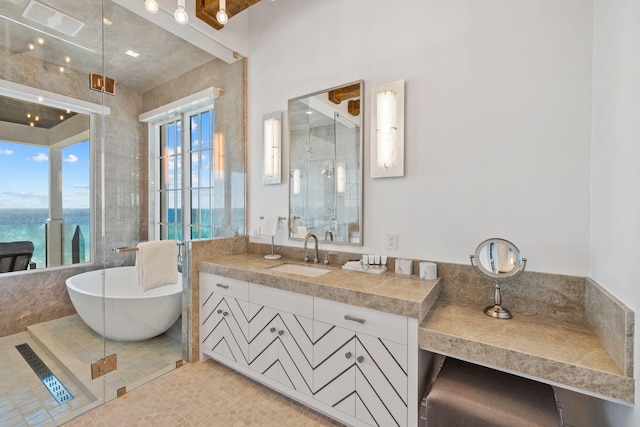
131	314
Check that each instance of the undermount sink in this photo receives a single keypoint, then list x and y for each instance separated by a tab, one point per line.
299	269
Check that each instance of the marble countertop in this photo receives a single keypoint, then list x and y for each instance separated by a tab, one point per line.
392	293
550	350
564	353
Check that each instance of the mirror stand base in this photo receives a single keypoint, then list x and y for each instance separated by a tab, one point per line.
498	312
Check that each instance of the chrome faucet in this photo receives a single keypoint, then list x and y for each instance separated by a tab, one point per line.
306	256
330	233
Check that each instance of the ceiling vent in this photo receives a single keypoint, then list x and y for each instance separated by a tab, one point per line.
51	18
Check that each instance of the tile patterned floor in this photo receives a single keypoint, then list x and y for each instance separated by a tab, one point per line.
202	394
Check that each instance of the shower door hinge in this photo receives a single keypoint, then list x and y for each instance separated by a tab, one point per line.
103	366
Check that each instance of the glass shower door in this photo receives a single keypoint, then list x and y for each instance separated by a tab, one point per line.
49	154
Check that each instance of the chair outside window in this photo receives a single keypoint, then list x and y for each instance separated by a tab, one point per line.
16	256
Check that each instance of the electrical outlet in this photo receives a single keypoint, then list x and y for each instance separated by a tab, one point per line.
391	242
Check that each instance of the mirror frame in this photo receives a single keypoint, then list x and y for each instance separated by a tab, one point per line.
360	159
518	267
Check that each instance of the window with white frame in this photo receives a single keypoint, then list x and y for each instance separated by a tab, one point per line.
196	192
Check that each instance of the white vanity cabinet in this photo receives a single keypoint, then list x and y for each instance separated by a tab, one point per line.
224	321
280	332
361	362
346	361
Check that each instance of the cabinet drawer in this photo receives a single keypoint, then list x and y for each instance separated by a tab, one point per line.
373	322
225	286
290	302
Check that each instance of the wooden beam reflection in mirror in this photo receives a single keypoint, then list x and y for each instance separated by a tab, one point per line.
343	93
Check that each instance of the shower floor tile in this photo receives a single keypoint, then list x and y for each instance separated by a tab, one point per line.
67	346
76	345
24	400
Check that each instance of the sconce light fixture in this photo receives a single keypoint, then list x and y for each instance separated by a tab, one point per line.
222	16
341	178
272	124
181	14
387	130
151	6
296	181
218	155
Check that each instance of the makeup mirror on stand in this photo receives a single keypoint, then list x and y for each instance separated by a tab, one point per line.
500	261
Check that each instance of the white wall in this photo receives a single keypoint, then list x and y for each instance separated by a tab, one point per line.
616	171
498	111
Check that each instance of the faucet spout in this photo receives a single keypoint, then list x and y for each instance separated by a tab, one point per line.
328	233
306	239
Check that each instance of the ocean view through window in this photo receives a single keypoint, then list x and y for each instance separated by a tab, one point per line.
42	184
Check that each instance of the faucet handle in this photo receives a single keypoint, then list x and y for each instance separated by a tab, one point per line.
326	258
306	257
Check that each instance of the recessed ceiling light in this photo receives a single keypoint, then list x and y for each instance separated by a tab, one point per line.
132	53
31	46
61	69
106	21
40	40
67	59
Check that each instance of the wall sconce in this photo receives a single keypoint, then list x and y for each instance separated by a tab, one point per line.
272	124
387	130
218	155
341	178
296	181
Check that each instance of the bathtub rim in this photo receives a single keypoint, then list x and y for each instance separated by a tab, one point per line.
159	292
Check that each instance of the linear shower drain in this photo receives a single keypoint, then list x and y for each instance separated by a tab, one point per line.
50	381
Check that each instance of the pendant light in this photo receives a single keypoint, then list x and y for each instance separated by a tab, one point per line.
222	16
180	14
151	6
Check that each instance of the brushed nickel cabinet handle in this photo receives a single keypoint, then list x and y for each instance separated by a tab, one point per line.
219	311
224	313
360	359
353	319
223	286
347	355
280	332
272	330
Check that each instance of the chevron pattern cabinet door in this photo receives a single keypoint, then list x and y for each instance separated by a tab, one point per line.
334	372
224	327
381	381
280	348
361	375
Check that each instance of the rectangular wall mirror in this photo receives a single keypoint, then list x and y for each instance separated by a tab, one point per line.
325	176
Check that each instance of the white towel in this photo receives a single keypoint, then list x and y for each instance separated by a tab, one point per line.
156	264
301	232
271	225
